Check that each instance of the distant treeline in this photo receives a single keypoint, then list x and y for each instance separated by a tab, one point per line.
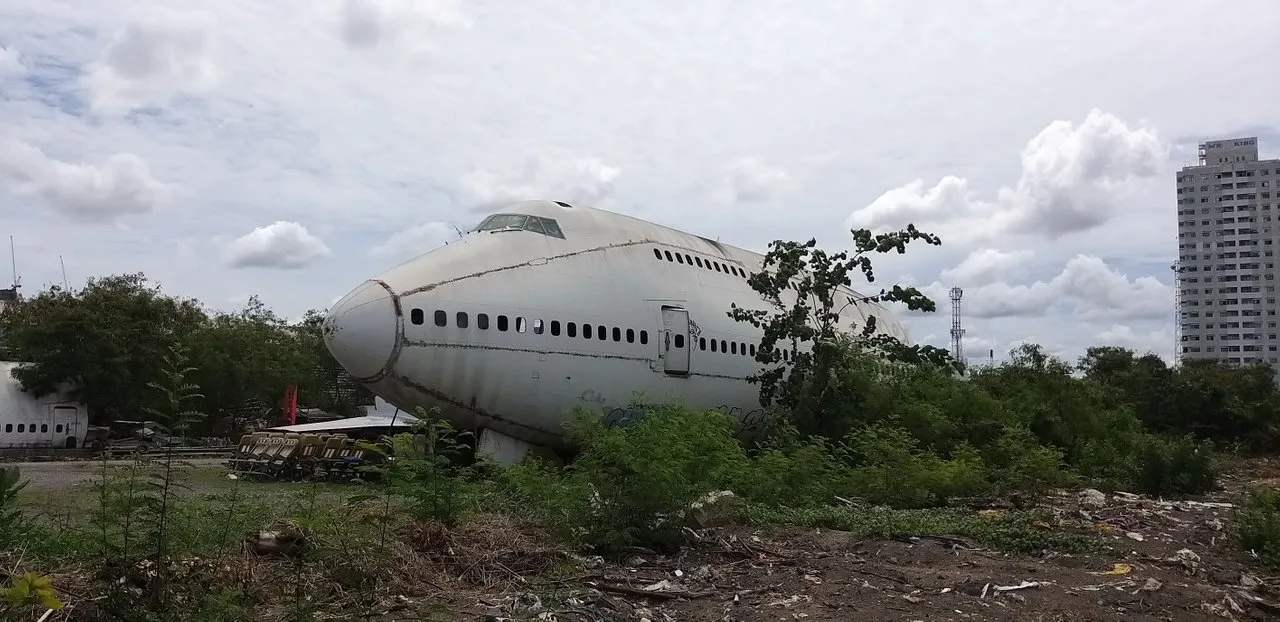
109	339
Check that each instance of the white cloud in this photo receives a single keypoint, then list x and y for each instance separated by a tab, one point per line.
157	54
10	62
984	267
371	23
413	241
285	245
1086	286
579	180
122	185
1158	341
751	181
1070	175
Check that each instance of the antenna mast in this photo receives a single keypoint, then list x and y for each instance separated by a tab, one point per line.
957	332
13	260
64	273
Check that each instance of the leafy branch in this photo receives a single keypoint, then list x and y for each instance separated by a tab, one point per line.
809	293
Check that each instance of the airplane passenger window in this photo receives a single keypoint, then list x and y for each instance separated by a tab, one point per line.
22	427
520	327
617	334
8	428
753	349
679	341
668	255
58	429
688	259
482	321
680	259
537	327
644	336
714	348
555	328
733	347
657	253
717	266
601	333
462	319
44	427
415	316
442	318
502	323
724	346
707	264
742	349
586	331
631	335
699	260
702	343
571	329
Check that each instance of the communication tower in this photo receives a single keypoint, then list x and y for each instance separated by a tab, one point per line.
957	332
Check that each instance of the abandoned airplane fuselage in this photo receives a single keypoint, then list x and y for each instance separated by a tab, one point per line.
545	307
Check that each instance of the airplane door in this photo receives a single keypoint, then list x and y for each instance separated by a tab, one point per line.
67	420
675	340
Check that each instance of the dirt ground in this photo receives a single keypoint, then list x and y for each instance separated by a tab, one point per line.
1172	561
1169	560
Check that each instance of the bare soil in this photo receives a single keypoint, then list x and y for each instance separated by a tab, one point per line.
1168	561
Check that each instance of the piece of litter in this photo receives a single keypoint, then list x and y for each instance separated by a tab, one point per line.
1021	586
1133	535
1116	569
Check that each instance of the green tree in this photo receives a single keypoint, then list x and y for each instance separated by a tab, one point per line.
103	340
244	360
807	290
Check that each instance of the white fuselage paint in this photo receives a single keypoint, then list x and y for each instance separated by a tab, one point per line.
524	381
27	421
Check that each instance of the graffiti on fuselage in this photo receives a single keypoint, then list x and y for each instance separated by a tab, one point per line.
695	331
751	422
624	416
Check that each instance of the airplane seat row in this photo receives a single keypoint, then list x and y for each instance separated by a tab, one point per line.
292	455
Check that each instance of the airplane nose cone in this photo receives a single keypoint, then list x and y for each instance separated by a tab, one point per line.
360	330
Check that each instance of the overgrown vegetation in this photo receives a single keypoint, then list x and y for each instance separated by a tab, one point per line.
867	435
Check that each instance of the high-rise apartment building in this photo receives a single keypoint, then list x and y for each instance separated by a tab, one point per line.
1228	227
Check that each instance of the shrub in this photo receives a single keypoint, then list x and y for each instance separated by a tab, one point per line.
630	485
1258	525
1178	466
13	524
892	470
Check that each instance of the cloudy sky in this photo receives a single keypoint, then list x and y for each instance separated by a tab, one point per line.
293	148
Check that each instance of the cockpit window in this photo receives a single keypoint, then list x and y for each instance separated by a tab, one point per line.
521	222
